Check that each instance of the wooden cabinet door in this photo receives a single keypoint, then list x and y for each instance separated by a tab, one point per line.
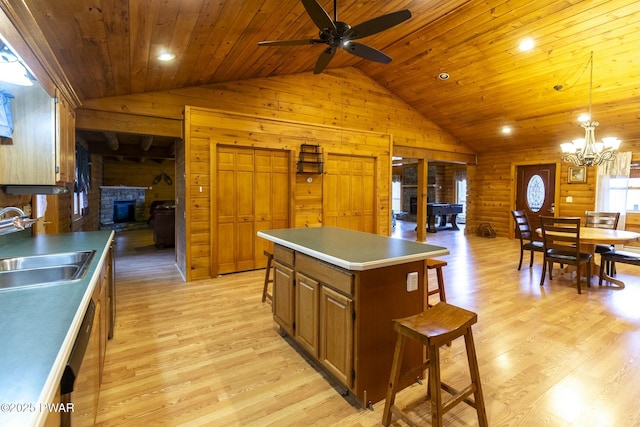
31	158
306	330
336	334
350	192
65	140
283	297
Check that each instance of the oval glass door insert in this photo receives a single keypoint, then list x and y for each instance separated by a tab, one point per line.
535	193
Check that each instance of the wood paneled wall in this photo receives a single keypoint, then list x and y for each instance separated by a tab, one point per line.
205	129
181	214
491	187
341	101
345	98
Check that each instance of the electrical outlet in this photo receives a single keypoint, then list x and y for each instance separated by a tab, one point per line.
412	281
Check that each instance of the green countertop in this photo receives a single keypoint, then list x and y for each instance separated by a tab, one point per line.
353	250
38	326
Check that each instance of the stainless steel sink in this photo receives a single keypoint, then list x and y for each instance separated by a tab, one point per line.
35	270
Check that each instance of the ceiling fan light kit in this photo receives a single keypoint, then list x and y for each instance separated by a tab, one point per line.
336	34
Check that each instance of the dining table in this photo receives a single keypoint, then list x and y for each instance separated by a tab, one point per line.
592	236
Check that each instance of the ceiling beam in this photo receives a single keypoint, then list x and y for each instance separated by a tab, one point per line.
112	140
130	151
146	142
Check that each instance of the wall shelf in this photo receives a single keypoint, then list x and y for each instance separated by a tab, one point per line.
310	159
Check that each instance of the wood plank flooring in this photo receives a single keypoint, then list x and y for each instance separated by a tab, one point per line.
208	352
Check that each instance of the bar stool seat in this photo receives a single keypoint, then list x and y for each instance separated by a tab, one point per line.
267	277
434	328
437	264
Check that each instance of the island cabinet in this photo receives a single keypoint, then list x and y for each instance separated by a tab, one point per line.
283	290
338	311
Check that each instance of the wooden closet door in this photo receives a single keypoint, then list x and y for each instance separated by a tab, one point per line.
234	182
252	195
272	196
351	192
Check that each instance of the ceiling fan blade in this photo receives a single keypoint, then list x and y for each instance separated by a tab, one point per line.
318	15
325	57
377	25
289	42
366	52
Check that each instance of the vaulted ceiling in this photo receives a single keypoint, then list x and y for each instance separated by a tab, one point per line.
110	47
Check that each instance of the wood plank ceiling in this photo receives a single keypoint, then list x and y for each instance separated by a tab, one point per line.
110	47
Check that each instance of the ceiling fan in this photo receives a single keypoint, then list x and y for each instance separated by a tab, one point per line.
337	34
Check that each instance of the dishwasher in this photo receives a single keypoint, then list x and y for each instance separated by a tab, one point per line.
80	381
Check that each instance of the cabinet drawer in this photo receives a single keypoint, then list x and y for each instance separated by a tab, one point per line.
283	255
334	277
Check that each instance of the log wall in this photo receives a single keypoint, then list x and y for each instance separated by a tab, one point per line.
137	174
491	187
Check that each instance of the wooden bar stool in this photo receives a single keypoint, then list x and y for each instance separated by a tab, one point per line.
434	328
267	277
437	264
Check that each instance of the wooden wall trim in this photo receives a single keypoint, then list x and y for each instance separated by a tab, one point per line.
434	155
108	121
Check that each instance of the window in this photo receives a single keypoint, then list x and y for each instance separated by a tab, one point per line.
618	193
535	193
82	184
633	189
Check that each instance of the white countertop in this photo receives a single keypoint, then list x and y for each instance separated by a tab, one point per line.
352	250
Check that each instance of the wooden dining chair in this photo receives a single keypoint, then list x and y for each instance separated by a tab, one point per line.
561	238
524	233
607	220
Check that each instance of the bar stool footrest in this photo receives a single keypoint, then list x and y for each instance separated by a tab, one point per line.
404	417
458	396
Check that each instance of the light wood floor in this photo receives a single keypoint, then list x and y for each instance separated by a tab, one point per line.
208	352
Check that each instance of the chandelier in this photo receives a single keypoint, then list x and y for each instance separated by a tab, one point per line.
586	151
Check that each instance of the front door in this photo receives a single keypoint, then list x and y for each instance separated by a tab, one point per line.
535	193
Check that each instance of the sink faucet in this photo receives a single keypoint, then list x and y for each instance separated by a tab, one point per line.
18	222
11	209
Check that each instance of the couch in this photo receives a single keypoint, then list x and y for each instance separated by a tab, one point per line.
162	221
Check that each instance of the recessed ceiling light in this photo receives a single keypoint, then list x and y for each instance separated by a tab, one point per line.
166	56
526	44
443	76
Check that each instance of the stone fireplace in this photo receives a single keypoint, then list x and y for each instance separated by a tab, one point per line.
121	206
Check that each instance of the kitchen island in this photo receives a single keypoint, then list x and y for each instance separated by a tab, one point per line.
38	325
335	293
